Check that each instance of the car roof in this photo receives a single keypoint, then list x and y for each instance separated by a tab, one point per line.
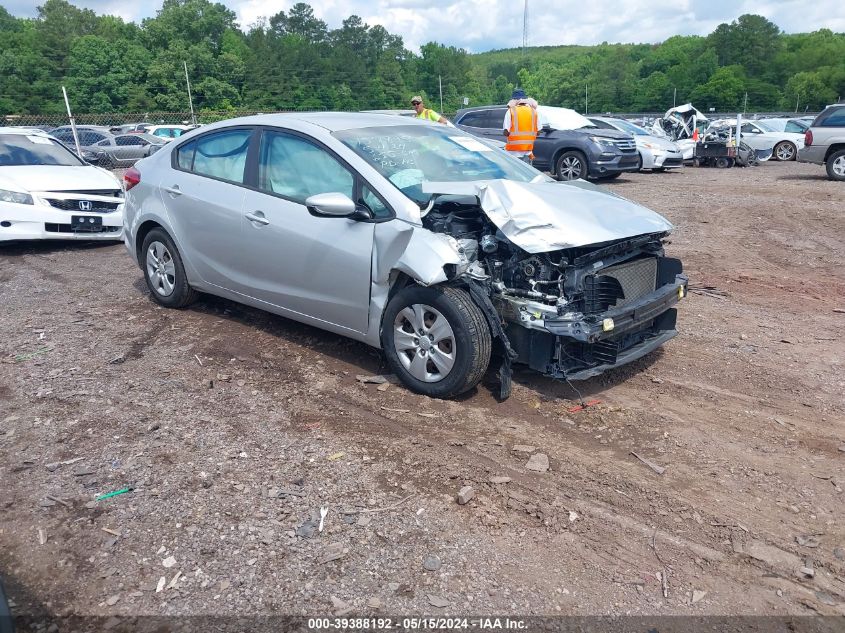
23	131
331	121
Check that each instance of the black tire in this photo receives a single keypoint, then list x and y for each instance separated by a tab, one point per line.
639	162
470	344
785	149
181	294
571	166
723	162
835	165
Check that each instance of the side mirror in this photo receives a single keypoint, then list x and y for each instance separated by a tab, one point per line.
546	128
333	205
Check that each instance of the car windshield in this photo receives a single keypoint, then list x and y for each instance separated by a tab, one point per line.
629	127
26	149
410	155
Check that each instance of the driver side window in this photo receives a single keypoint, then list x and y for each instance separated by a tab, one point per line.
296	169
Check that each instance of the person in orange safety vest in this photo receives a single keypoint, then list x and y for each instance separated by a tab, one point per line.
521	126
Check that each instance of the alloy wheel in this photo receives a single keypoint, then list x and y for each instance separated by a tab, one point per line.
571	168
838	166
161	271
424	342
785	151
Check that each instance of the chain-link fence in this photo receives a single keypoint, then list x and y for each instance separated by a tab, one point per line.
114	119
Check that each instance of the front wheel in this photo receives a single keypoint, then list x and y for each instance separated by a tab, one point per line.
836	165
164	271
785	151
571	166
436	340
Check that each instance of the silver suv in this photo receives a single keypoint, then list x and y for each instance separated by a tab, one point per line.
824	142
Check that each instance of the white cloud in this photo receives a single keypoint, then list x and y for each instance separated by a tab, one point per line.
479	25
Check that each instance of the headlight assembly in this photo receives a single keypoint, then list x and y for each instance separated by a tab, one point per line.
15	196
604	142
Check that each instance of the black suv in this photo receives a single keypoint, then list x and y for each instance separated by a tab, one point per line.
586	152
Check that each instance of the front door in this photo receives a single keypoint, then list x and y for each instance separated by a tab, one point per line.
314	266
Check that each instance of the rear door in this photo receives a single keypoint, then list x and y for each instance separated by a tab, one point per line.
487	123
203	194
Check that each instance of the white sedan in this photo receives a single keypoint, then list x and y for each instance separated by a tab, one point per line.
47	192
763	136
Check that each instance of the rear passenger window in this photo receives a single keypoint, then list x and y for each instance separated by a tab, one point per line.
185	156
475	119
834	119
221	155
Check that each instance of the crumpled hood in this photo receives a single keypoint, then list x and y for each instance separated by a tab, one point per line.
58	178
547	216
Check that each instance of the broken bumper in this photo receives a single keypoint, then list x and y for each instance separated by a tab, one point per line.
583	347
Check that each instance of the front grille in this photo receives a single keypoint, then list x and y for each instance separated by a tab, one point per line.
97	206
106	193
626	145
637	279
51	227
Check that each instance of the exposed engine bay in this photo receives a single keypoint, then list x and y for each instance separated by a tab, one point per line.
569	313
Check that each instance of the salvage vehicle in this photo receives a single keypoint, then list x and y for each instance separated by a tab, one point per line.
414	238
681	124
825	142
568	144
48	192
656	153
761	136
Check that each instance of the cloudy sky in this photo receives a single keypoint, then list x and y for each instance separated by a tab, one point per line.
480	25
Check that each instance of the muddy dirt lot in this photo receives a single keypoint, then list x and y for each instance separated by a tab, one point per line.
234	427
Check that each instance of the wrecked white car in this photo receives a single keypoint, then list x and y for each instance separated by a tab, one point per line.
411	237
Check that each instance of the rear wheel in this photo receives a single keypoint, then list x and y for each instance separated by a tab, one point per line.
785	151
164	271
571	166
436	340
722	162
836	165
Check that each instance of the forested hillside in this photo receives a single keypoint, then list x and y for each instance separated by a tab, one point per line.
292	60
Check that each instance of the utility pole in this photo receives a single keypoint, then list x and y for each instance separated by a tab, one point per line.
190	99
745	106
675	98
72	124
586	101
525	29
440	82
797	99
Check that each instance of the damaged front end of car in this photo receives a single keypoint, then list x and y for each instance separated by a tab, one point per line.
577	277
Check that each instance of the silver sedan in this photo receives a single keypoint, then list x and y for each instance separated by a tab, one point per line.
414	238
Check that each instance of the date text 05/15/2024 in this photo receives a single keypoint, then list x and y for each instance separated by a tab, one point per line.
416	624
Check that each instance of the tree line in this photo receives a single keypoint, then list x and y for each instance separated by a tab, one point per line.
293	60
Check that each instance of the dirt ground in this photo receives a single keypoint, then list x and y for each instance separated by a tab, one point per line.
234	427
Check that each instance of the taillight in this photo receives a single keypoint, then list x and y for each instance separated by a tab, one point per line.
808	138
131	178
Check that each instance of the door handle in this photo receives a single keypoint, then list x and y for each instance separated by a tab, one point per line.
257	217
174	190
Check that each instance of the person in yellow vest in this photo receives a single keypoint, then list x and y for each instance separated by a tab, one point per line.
521	126
426	113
